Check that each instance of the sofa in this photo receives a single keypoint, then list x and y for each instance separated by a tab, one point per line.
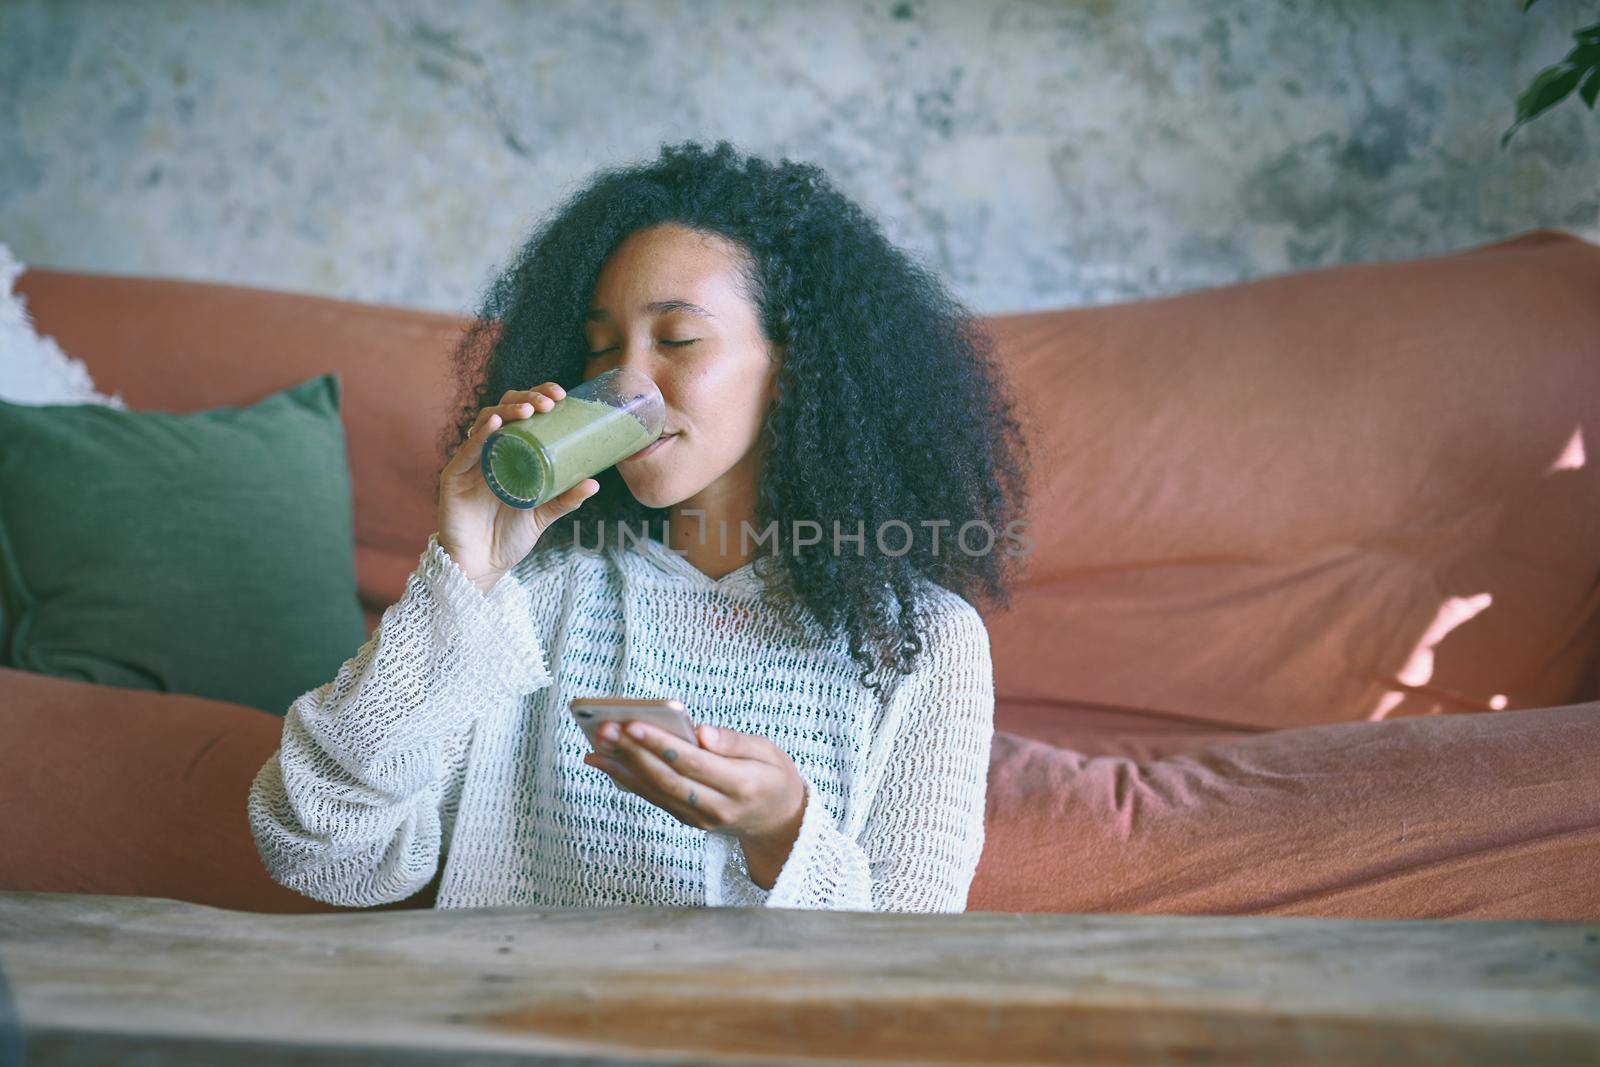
1310	624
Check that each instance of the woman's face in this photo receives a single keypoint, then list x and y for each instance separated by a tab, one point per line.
668	301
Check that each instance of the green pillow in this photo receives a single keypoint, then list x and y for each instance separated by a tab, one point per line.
210	553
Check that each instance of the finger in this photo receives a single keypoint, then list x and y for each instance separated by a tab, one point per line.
618	773
582	491
521	409
526	403
692	803
550	391
731	744
542	397
689	806
562	503
472	447
677	768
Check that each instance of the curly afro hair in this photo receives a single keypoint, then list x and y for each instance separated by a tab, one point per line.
889	406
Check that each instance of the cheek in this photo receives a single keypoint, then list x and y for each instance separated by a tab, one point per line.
722	402
732	398
684	391
700	400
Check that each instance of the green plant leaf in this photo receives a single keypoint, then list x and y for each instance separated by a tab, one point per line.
1590	89
1584	56
1552	85
1548	89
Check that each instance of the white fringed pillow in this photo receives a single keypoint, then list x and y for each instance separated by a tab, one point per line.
33	369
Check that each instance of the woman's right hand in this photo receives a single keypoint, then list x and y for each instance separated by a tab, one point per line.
484	535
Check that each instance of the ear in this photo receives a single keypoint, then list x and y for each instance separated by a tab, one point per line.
779	357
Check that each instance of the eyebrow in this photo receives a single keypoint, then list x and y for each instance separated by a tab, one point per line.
661	306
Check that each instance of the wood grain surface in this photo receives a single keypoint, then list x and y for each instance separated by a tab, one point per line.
106	979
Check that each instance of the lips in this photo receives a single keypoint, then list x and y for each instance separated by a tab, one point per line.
653	445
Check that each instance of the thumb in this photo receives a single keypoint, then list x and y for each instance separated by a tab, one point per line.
735	745
562	503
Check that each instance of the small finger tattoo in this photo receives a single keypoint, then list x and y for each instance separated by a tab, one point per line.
693	803
669	754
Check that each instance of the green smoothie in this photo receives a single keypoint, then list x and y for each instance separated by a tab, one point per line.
528	461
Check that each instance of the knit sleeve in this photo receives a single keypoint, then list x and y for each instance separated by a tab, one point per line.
347	811
924	832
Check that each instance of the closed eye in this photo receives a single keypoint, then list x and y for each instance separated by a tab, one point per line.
674	344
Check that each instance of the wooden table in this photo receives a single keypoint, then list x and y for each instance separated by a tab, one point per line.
104	979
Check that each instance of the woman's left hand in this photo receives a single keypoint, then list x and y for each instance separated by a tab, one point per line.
734	783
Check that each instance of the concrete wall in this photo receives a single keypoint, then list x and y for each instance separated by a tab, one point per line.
1038	154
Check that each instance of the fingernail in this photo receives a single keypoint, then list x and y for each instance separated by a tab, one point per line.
636	732
711	734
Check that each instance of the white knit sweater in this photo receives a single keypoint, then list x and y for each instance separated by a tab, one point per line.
447	735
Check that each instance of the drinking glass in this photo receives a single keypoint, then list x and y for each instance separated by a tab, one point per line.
598	423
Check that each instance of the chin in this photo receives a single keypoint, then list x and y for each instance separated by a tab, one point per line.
654	492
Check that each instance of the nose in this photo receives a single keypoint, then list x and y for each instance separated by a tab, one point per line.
621	353
641	357
637	355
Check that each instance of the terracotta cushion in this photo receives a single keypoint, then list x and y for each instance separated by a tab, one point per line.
1096	730
1335	495
1490	816
131	792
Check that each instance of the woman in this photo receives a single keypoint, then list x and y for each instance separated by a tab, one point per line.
816	380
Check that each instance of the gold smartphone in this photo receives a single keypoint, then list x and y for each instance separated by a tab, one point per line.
668	715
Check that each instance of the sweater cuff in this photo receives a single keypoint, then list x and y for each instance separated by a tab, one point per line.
497	627
728	883
792	888
824	869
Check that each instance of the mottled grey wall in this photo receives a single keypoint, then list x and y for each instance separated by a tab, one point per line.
1038	154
